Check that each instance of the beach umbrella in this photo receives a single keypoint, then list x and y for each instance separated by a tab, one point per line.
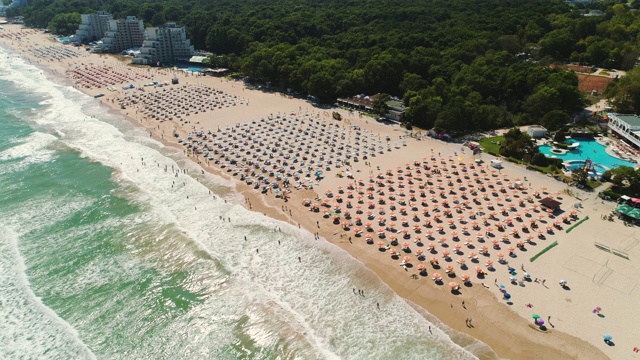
406	259
454	285
422	267
536	316
607	337
465	277
381	244
437	276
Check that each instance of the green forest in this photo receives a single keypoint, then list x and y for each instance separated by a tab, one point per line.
459	65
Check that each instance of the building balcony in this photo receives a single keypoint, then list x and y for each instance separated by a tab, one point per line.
630	136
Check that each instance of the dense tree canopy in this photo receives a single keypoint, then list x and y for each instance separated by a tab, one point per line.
461	65
624	93
65	23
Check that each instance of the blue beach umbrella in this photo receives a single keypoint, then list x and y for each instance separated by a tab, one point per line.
607	337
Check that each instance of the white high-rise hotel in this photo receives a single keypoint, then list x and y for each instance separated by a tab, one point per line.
123	34
93	27
165	45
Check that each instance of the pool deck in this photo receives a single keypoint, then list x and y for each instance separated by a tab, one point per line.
611	144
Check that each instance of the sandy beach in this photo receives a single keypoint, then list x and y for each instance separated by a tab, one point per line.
288	157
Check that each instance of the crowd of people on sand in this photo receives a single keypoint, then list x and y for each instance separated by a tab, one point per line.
169	102
281	152
446	213
17	35
55	52
89	76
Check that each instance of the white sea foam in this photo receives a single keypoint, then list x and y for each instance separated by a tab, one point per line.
29	329
309	303
30	150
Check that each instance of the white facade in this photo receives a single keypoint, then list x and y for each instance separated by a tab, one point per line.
92	27
626	126
537	131
123	34
165	45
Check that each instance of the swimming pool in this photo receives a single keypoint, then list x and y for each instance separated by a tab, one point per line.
192	68
588	149
63	39
579	164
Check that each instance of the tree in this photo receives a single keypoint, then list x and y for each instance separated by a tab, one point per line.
579	175
380	106
412	81
623	176
624	94
554	119
64	24
539	159
560	136
558	43
518	145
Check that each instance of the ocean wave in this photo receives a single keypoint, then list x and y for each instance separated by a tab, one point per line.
29	328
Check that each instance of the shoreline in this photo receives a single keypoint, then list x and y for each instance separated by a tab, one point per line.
502	329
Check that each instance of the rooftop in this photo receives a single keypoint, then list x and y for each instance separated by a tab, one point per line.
396	105
631	119
550	203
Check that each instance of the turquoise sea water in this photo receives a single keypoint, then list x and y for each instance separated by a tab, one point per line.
105	254
588	149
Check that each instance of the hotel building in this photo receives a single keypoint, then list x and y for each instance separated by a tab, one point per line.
93	27
626	127
165	45
123	34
